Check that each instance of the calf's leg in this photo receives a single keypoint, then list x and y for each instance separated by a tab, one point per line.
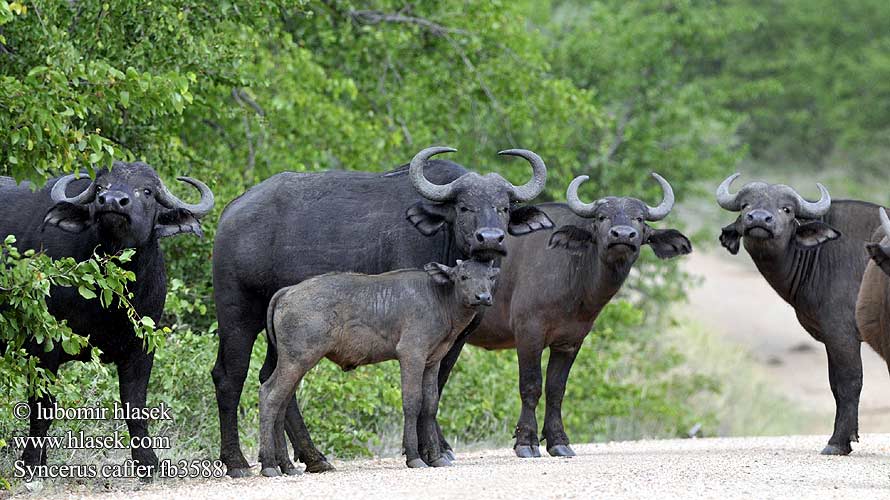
445	367
428	428
304	448
557	375
845	377
412	368
274	396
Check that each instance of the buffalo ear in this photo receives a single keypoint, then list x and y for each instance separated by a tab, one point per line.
573	238
68	217
669	243
429	218
177	221
812	234
880	254
440	273
527	219
730	238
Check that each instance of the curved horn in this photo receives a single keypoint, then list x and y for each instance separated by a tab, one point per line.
813	210
667	203
885	222
202	208
535	186
725	199
575	203
58	192
430	191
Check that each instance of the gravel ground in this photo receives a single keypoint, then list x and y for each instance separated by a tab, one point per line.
720	468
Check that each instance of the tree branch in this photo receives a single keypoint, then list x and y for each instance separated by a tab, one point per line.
371	17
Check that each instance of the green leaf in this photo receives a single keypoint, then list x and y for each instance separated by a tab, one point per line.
86	292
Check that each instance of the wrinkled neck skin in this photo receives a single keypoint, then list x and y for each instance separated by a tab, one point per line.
788	268
601	277
147	256
461	314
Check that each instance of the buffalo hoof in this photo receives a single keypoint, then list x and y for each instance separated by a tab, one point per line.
834	449
441	462
526	451
561	450
449	454
291	470
270	472
416	463
238	472
319	467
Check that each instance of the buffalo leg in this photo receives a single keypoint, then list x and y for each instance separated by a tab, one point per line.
274	395
412	399
133	375
32	455
238	328
296	429
445	367
845	377
557	375
526	435
428	429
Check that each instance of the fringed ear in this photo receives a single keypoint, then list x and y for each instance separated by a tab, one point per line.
68	217
572	238
669	243
440	273
429	218
177	221
528	219
730	238
813	234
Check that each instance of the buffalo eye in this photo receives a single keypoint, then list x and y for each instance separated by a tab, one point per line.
601	218
464	209
464	278
639	219
744	206
99	188
147	192
787	210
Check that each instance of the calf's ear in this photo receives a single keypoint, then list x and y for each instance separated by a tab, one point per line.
177	221
813	234
730	238
880	254
68	217
572	238
527	219
669	243
440	274
429	218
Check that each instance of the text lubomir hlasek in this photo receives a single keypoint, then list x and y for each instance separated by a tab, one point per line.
117	411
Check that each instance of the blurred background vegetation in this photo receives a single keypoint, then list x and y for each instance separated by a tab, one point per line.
233	92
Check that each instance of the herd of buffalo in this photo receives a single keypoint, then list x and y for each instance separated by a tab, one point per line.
413	263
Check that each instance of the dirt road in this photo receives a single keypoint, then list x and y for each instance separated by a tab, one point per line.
779	467
735	303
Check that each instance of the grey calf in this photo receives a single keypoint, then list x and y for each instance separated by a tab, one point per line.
352	319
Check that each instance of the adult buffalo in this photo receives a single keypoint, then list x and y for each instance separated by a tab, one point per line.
813	255
293	226
873	304
125	207
550	298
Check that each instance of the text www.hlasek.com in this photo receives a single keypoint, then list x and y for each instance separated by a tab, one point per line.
117	440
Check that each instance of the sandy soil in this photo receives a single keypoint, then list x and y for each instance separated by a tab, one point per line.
777	467
738	305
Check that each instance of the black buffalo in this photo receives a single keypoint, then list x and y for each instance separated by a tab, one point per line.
553	286
293	226
125	207
813	254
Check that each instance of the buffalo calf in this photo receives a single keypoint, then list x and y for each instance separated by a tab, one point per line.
873	304
352	319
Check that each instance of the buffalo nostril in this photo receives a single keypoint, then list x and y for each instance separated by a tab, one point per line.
750	217
633	234
501	238
768	218
484	297
124	201
101	200
479	237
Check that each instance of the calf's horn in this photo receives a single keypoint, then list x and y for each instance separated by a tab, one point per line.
200	209
430	191
725	199
58	192
667	202
531	189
